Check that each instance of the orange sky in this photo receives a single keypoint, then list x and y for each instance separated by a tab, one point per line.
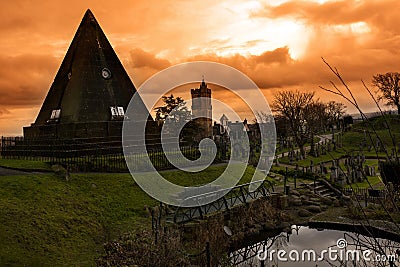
279	44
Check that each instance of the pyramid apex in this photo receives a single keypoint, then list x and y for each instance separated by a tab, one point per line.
88	15
88	12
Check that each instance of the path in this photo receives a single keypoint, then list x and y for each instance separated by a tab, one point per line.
321	140
9	172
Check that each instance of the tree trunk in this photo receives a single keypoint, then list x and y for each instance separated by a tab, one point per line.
312	149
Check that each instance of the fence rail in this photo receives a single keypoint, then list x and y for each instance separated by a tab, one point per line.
365	192
236	196
105	155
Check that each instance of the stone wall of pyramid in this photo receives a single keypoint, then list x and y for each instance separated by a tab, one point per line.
90	92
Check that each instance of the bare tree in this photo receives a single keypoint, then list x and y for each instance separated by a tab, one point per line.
389	87
292	105
334	112
316	116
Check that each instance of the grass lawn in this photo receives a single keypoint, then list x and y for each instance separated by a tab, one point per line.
316	160
25	164
47	221
373	180
374	128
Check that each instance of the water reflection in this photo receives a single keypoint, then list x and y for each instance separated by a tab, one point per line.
305	246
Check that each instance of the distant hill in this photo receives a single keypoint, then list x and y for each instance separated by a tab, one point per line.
372	129
380	123
357	116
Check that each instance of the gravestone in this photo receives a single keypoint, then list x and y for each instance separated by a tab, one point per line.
367	170
372	171
334	171
360	176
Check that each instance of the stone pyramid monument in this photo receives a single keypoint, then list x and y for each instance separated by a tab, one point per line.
90	93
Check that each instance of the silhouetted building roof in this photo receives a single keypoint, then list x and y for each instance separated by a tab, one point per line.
90	80
91	86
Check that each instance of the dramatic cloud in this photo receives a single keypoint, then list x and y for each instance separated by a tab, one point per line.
378	13
141	59
23	78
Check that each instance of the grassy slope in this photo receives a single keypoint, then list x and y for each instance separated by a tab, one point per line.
375	127
46	221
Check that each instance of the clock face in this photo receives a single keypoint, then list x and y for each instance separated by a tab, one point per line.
106	73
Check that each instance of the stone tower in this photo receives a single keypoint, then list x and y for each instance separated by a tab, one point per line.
201	107
90	93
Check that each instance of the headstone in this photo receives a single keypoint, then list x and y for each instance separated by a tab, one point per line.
325	170
354	177
390	187
372	171
367	170
377	144
334	174
266	162
360	177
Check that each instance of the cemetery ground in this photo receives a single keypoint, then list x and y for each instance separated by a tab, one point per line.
366	142
54	221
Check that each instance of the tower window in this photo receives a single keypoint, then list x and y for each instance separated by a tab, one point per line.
120	111
117	113
55	114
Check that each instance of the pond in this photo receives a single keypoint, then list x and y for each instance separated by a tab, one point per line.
305	246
